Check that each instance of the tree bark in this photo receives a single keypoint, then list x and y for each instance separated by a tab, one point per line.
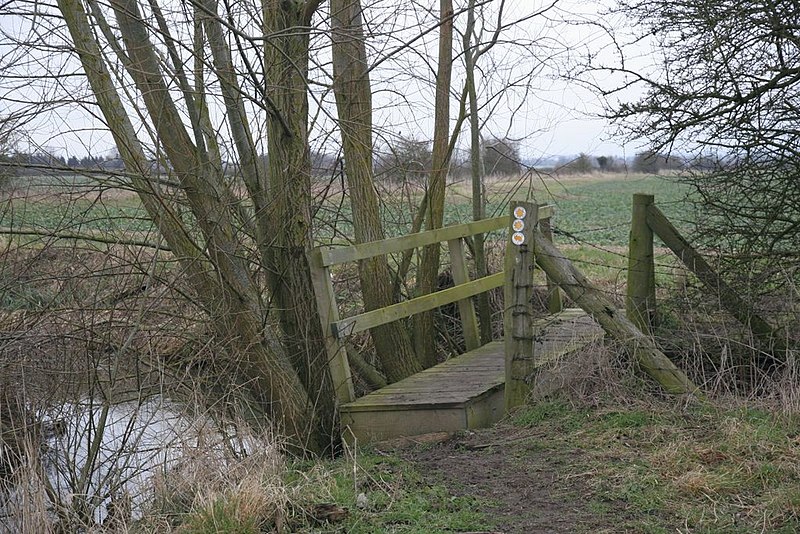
286	57
229	295
351	86
425	332
252	175
476	169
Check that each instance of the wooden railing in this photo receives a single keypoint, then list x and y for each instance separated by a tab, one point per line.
336	329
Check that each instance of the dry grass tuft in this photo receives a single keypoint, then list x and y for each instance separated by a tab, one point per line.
26	507
207	486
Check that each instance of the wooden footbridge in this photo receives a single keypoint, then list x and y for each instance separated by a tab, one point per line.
473	389
477	388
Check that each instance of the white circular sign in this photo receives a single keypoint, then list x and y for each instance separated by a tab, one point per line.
517	238
518	225
520	212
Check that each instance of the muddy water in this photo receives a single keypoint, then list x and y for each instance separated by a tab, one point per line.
110	454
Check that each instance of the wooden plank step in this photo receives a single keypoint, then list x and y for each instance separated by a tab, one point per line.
465	391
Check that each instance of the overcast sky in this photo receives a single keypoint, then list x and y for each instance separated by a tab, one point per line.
554	117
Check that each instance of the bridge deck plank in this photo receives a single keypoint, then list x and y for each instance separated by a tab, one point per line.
465	391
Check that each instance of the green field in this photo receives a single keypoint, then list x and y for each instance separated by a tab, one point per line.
599	212
593	211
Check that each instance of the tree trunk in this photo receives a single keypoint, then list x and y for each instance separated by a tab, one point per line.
353	94
425	332
476	168
229	295
252	175
286	66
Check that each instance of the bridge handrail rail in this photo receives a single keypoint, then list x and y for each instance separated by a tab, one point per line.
331	255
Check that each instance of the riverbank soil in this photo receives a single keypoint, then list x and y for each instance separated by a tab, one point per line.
526	484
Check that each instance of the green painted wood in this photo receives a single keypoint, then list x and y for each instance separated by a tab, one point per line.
487	409
466	309
459	380
365	321
468	391
335	255
338	363
366	427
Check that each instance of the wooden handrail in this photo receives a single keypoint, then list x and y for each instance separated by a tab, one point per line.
336	329
329	255
371	319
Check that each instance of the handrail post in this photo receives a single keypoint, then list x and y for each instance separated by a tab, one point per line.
466	308
554	302
518	290
640	302
338	364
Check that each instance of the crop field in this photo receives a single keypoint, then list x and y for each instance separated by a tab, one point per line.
591	210
591	223
598	211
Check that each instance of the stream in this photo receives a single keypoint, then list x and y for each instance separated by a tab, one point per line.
110	454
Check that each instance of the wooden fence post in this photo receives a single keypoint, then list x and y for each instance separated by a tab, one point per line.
466	309
640	302
554	303
518	290
338	363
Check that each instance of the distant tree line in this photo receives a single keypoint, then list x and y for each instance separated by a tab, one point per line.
646	162
406	159
35	163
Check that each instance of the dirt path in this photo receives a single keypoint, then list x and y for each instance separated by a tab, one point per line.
527	481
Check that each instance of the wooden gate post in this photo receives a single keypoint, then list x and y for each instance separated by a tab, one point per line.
640	302
518	290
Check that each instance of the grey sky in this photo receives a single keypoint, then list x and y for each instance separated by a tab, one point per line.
554	117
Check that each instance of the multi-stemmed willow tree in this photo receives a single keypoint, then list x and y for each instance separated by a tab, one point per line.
194	93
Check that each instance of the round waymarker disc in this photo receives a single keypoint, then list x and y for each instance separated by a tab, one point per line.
517	238
518	225
520	212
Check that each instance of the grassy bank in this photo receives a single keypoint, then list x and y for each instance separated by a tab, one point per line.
610	465
667	468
